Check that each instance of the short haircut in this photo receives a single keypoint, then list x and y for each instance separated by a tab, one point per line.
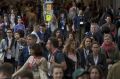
54	42
7	69
95	42
21	33
26	74
56	66
33	36
10	29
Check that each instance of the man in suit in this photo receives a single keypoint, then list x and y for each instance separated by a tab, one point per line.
95	32
96	58
31	40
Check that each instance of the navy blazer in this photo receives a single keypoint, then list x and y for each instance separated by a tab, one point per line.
23	56
101	61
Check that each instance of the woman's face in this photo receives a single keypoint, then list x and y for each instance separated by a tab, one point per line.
73	45
60	42
58	33
107	40
87	42
94	74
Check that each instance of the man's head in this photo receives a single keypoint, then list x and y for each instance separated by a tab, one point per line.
52	43
19	21
6	71
26	74
31	39
94	27
9	33
57	72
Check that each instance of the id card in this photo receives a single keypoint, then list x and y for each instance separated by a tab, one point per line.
81	22
9	56
63	27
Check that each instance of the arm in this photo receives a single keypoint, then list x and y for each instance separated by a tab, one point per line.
110	73
2	45
25	66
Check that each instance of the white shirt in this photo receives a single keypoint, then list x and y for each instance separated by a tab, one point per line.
9	42
95	60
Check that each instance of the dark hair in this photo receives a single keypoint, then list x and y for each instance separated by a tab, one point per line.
54	42
7	69
95	42
55	31
93	20
72	34
37	48
21	33
33	36
105	29
99	70
26	73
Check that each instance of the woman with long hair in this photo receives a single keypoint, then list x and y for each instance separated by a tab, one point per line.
71	58
83	51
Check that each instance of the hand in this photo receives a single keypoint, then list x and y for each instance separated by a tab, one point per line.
52	60
7	50
38	61
109	66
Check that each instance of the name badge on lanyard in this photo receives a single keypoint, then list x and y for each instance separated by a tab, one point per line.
9	56
81	22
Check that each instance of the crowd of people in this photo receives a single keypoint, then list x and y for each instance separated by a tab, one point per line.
80	42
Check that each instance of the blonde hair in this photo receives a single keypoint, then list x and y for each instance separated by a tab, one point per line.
69	46
108	35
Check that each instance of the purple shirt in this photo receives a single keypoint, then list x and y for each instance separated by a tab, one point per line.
19	27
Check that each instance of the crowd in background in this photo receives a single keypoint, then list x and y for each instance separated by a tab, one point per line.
80	42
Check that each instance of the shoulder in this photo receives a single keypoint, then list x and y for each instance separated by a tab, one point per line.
43	59
3	40
80	50
115	67
30	59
